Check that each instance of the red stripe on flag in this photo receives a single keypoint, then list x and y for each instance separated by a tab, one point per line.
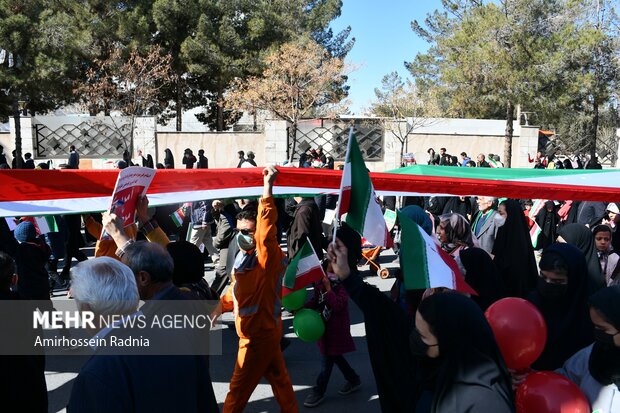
345	201
33	185
459	280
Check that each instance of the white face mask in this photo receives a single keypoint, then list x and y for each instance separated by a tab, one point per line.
499	220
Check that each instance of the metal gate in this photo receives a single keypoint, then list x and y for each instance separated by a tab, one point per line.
333	137
93	138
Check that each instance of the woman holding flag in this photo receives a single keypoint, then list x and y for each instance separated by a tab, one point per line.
449	362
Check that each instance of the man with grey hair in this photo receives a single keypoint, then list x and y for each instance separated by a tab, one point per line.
133	381
486	223
104	286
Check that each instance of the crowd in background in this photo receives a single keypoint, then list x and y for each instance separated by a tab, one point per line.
431	350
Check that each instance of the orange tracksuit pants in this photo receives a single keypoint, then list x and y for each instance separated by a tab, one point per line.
259	358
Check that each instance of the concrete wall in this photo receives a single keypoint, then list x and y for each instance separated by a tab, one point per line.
270	146
220	148
472	145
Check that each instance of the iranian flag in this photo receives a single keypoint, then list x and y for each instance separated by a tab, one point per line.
537	205
304	268
44	225
359	201
426	265
178	217
534	233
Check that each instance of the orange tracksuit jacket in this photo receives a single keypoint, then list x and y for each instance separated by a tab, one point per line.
254	297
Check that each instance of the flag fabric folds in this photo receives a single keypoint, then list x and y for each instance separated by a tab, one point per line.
178	217
304	269
426	265
359	201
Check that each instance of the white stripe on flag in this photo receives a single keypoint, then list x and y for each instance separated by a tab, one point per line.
438	272
306	264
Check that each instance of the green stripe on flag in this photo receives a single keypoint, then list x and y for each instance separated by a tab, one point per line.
492	173
414	262
291	270
360	188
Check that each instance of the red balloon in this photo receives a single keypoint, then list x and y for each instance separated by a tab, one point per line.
547	392
520	331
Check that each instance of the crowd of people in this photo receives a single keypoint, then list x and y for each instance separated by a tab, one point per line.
540	161
430	350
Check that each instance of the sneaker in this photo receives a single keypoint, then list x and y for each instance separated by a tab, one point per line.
349	388
314	399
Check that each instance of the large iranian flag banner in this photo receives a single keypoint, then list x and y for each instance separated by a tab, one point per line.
27	192
359	201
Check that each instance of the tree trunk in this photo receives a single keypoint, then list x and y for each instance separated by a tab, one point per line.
594	129
220	112
18	135
179	105
508	135
292	137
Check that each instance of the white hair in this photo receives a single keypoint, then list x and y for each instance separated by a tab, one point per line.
106	285
489	198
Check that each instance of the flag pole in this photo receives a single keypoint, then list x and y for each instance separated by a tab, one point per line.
346	158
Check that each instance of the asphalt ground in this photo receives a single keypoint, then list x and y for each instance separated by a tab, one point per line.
302	361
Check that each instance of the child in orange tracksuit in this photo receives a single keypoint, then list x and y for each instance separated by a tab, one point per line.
332	301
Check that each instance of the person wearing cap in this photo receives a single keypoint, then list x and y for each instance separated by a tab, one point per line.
612	214
31	257
250	158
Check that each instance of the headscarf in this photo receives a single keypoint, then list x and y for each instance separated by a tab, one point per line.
455	205
548	220
458	233
604	362
168	159
417	215
483	276
569	328
470	363
581	237
513	252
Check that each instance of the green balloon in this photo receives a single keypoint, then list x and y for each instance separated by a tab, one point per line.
308	325
294	301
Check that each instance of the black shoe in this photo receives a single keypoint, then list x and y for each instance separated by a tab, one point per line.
314	399
349	388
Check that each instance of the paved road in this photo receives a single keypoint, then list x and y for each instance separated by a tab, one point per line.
302	360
